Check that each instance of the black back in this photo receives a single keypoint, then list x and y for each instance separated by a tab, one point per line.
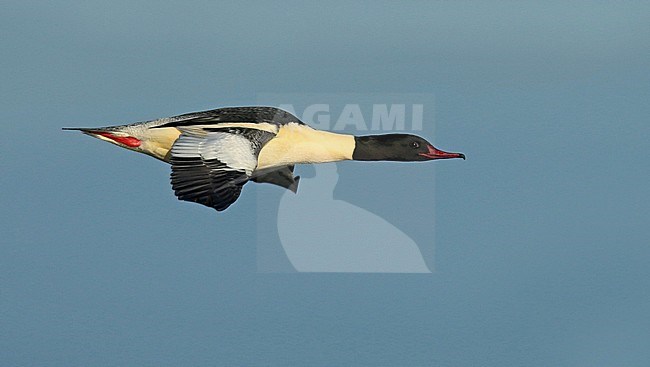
256	114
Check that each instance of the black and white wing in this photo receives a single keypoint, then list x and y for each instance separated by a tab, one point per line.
210	167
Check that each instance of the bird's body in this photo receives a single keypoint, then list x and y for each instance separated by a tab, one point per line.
214	153
299	143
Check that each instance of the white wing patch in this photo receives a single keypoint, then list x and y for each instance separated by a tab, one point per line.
233	150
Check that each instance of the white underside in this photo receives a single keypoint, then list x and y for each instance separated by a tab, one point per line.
159	142
293	144
296	143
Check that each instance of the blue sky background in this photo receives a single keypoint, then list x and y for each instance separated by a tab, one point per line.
541	240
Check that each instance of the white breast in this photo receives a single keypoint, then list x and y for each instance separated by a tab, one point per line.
297	143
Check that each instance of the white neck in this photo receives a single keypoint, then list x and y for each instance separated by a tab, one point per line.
296	143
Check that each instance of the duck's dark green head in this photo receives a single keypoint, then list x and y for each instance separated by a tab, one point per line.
397	147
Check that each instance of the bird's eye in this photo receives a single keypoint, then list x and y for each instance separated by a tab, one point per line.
415	144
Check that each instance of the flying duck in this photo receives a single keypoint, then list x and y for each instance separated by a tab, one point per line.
214	153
